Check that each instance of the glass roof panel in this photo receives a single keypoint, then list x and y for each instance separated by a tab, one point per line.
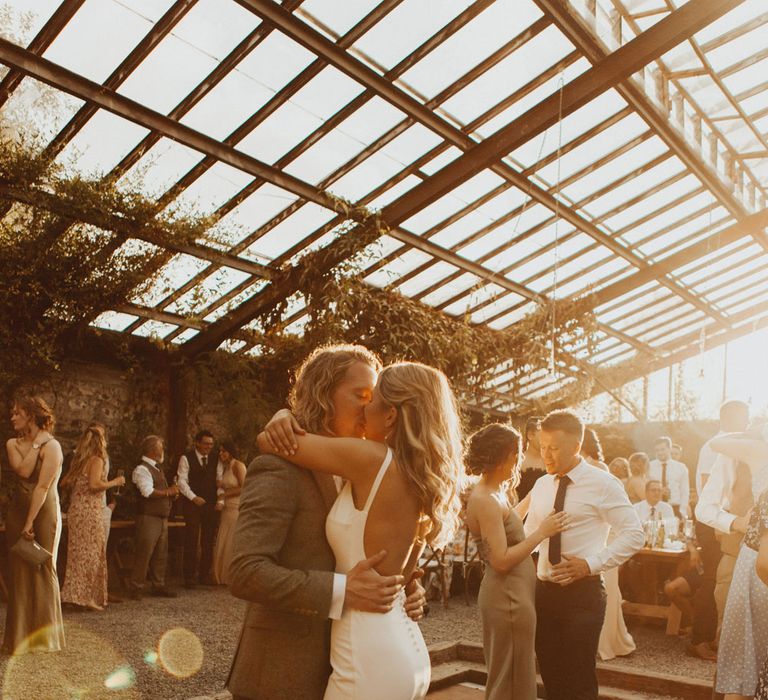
749	304
154	329
509	75
432	275
221	281
222	309
509	232
21	20
308	109
212	189
354	134
450	289
401	265
474	42
513	316
610	172
114	321
37	110
571	127
98	38
393	38
339	18
101	144
476	296
253	212
497	307
455	200
291	231
161	167
394	192
171	276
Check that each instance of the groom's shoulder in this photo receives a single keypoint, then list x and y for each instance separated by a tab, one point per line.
271	463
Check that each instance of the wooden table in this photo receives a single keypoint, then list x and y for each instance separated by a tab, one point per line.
651	559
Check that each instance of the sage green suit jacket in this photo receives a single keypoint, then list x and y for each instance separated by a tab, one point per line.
282	565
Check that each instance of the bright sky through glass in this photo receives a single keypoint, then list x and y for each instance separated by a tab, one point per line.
599	196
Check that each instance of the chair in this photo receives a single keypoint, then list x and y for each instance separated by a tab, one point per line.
471	560
433	562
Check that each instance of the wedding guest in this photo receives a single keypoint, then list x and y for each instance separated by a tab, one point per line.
154	505
85	580
761	568
198	473
592	450
738	477
743	648
619	467
638	469
673	476
734	418
682	591
570	599
231	484
507	592
33	617
653	508
532	466
615	639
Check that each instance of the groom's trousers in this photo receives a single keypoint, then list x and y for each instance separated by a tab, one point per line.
568	623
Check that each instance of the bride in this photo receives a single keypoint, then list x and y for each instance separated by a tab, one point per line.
401	490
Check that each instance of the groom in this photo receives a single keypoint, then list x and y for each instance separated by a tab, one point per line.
281	562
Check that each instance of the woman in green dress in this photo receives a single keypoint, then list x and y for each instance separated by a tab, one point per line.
507	593
33	620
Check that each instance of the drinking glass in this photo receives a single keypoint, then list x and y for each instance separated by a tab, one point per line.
119	489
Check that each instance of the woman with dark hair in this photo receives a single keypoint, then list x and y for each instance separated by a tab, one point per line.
231	483
507	593
85	581
33	619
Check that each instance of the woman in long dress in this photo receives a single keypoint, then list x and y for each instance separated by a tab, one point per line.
85	580
507	593
402	488
33	619
743	648
232	484
615	639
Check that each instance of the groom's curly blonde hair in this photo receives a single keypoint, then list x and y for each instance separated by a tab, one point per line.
316	379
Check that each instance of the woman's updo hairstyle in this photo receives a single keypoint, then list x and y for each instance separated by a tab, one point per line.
38	410
490	446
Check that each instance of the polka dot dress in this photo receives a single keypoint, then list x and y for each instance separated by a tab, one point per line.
743	649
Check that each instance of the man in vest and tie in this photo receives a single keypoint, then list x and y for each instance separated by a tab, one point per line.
198	476
153	503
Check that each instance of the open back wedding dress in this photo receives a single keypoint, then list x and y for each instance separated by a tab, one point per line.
374	656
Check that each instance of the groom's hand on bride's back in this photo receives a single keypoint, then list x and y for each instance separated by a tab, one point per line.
280	433
416	601
368	590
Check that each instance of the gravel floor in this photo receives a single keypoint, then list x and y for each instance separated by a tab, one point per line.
120	648
115	654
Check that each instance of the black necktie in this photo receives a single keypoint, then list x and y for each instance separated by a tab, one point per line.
653	512
664	475
205	461
554	541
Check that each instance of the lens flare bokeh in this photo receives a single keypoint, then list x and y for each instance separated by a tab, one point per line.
88	668
180	652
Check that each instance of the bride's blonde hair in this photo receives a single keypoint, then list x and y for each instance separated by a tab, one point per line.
426	441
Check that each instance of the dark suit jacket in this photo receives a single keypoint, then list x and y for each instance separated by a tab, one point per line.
282	565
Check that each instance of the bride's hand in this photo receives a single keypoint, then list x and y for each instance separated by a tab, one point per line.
554	523
280	433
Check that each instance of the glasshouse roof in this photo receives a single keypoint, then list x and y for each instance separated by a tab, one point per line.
518	150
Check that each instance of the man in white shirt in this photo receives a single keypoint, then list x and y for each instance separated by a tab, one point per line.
653	508
734	417
570	599
153	507
673	476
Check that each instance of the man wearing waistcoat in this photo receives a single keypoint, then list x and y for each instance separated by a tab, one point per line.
198	474
153	504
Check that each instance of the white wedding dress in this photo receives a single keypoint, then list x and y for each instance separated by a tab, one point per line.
374	656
